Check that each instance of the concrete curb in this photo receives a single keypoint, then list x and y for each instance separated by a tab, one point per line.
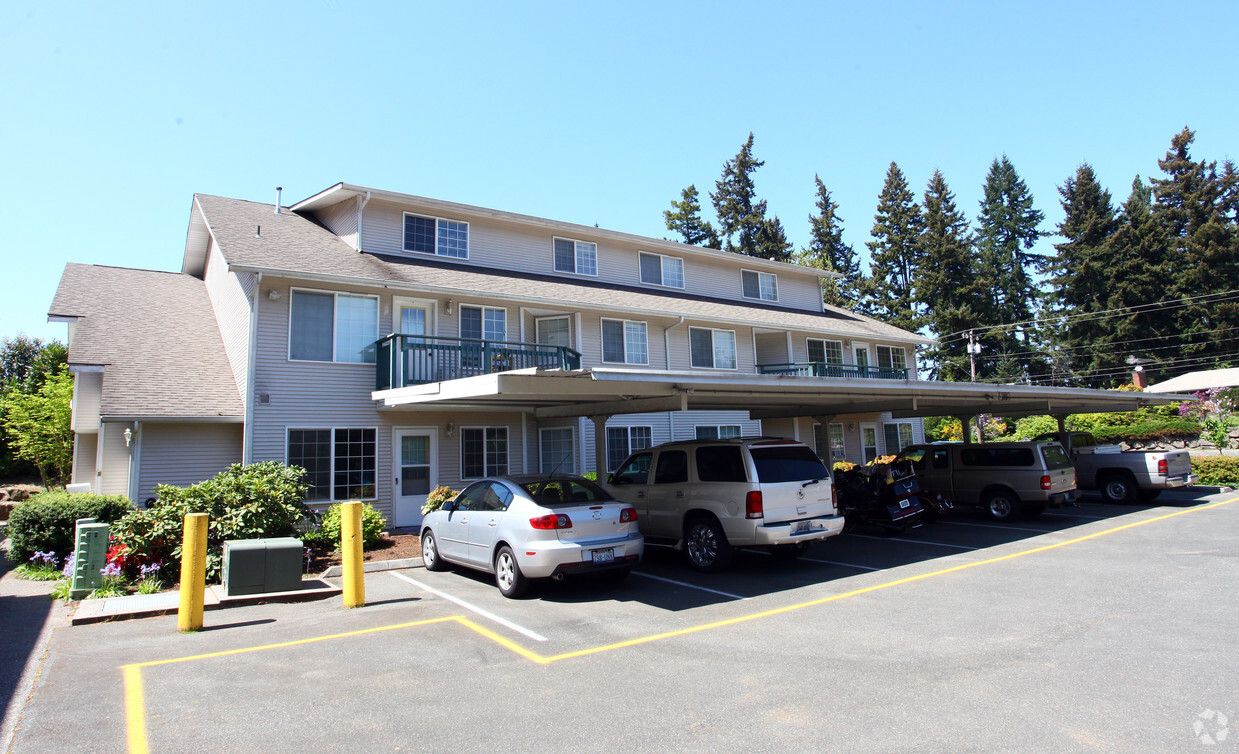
168	603
336	572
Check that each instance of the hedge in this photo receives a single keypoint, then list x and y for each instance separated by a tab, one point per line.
47	521
1217	470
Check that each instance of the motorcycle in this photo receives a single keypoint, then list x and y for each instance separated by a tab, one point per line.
886	497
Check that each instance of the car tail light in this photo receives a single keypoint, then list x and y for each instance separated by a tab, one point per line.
1163	468
752	505
834	496
628	515
551	521
1046	483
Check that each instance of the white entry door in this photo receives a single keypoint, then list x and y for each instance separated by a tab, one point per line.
415	465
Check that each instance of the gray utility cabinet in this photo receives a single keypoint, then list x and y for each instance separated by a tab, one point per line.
258	566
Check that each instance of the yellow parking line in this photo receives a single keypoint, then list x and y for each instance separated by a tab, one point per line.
134	702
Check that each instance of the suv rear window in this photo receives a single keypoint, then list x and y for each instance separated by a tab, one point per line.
996	456
795	463
720	463
1055	457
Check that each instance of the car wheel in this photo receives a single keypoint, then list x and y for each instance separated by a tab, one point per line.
789	552
1148	495
508	577
430	553
1119	488
1002	505
1032	510
707	545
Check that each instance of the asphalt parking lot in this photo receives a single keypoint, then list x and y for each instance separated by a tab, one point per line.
1098	628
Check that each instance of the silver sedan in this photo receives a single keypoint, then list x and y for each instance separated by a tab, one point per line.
532	527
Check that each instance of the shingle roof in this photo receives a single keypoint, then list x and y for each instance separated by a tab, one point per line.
156	335
294	246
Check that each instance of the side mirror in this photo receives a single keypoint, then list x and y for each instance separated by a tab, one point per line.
610	478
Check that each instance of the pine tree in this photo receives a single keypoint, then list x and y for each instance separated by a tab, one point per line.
897	228
946	280
1008	226
684	218
827	251
1081	277
743	227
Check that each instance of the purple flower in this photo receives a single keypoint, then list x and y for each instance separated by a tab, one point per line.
149	570
111	570
68	570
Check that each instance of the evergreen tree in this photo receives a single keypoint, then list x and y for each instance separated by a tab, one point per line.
743	227
897	228
1081	277
946	280
1008	226
684	218
827	251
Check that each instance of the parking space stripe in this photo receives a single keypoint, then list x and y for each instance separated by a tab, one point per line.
996	526
912	541
838	563
472	608
690	586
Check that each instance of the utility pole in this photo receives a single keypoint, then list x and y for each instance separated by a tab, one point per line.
973	349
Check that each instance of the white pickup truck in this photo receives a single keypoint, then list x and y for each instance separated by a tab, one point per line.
1123	476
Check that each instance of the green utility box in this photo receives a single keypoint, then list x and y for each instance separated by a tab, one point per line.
90	555
258	566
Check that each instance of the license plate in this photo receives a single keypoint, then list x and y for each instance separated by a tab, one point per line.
903	503
603	556
804	527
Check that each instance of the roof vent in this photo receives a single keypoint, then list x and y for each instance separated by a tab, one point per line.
279	190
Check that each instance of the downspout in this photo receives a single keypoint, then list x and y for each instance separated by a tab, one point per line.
247	438
667	341
362	201
135	463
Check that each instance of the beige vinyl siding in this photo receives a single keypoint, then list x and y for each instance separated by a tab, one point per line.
685	423
659	424
852	449
184	454
113	472
341	219
519	248
85	450
230	295
681	355
87	392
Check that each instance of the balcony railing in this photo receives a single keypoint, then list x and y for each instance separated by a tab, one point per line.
403	360
847	371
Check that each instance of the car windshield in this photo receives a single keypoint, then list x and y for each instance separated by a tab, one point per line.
555	492
789	463
1055	457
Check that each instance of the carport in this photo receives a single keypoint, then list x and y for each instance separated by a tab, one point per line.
599	393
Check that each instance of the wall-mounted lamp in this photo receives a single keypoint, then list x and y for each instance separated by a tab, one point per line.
851	426
450	428
447	307
128	437
273	295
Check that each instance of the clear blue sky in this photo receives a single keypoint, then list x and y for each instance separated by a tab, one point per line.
117	113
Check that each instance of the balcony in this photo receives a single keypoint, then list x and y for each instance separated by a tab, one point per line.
845	371
403	360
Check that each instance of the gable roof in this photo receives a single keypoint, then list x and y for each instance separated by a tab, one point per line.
294	246
156	337
1196	381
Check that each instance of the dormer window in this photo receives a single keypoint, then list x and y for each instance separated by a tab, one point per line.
578	257
657	269
437	236
760	285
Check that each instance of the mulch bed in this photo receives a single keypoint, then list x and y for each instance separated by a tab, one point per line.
392	547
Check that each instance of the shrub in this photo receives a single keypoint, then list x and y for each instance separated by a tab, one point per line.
1028	427
372	525
1150	430
437	497
46	521
843	466
1217	470
243	502
943	428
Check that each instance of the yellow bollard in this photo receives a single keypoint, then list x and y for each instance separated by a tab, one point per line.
193	573
350	554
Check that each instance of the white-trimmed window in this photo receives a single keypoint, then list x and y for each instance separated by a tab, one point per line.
622	441
483	452
437	236
659	269
553	331
829	448
579	257
624	342
717	431
327	326
898	435
760	285
483	322
340	462
712	349
557	450
892	358
826	351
